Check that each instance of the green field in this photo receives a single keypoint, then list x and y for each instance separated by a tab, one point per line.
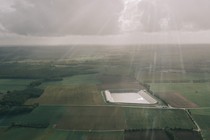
103	118
42	114
157	118
89	79
92	118
162	135
72	103
198	93
202	117
13	84
52	134
169	76
20	133
70	95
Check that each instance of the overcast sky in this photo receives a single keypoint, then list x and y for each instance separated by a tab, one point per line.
53	20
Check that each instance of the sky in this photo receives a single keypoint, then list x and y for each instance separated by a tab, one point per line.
104	21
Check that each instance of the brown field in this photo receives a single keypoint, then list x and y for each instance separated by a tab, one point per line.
92	118
66	95
176	100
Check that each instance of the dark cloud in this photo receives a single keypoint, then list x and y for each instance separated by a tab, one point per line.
63	17
96	17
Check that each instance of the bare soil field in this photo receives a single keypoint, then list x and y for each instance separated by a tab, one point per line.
176	100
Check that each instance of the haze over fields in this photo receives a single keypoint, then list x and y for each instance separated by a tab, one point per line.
53	22
153	53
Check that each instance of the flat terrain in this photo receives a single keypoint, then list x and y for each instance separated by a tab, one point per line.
118	82
196	94
69	95
132	97
176	100
53	134
157	118
103	118
86	79
13	84
40	115
146	135
129	98
162	135
73	77
202	117
92	118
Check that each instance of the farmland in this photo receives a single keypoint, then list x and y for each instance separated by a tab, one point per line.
72	79
87	79
159	134
202	117
13	84
157	118
196	94
67	95
93	118
40	115
52	134
102	118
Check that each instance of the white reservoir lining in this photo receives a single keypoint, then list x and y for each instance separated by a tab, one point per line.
141	97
